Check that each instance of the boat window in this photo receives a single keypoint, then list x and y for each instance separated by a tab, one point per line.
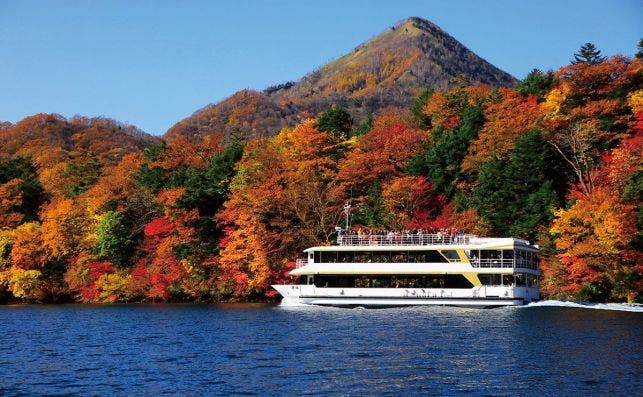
521	259
381	256
507	254
329	256
380	282
426	257
317	257
489	279
399	256
520	280
490	254
362	256
400	281
536	262
362	282
451	255
532	281
345	256
507	280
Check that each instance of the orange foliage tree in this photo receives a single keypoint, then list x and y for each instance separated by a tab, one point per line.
590	111
10	201
280	201
29	251
594	239
506	121
380	155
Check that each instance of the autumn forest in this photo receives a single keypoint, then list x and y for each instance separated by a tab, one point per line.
92	210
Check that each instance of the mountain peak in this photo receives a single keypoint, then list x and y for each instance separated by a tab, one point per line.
388	70
416	23
397	63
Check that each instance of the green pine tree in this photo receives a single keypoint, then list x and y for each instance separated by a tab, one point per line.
491	197
443	157
588	53
537	83
371	211
417	109
516	196
336	121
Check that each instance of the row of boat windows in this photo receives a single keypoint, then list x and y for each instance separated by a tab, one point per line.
419	281
379	257
524	259
428	281
521	258
509	280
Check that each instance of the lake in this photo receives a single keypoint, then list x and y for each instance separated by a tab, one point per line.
271	350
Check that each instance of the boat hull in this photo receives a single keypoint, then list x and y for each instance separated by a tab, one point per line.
483	297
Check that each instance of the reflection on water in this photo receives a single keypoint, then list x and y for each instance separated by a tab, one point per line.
272	350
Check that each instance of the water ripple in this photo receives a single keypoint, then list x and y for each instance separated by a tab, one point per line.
158	350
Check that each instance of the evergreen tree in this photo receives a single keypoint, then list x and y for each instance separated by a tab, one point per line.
588	54
417	109
82	174
149	177
336	121
364	126
515	196
371	211
208	189
639	53
537	83
532	193
491	196
442	160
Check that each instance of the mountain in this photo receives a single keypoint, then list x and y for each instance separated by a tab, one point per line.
388	70
51	138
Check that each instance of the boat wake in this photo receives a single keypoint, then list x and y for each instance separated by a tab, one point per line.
623	307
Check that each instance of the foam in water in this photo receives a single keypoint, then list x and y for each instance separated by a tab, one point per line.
624	307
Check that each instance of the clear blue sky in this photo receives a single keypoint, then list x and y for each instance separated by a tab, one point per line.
152	63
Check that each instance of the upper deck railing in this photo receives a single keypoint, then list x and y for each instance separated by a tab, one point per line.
404	239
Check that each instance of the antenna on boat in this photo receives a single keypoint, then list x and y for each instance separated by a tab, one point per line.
347	212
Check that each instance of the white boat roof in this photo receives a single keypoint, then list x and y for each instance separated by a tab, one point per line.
383	244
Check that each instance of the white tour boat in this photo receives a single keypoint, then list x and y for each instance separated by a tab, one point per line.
380	270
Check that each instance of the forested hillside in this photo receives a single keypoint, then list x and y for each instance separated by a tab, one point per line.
95	211
388	70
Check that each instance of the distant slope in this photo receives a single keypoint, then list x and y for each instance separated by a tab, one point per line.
50	138
388	70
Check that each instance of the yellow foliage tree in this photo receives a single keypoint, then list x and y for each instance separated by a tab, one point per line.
67	228
22	283
6	243
113	287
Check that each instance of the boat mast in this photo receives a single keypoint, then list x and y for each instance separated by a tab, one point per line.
347	212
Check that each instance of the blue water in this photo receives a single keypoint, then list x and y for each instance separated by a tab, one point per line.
270	350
